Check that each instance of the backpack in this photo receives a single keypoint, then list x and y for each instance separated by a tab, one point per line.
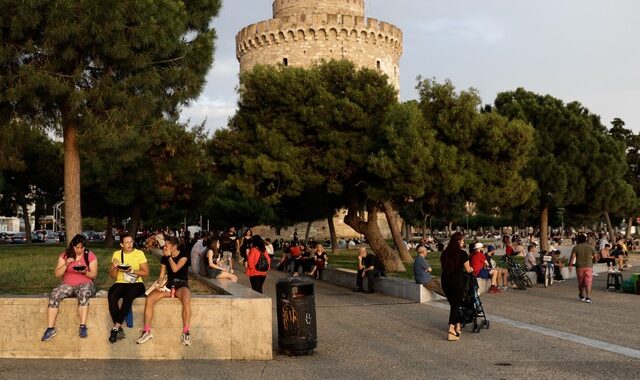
204	263
263	264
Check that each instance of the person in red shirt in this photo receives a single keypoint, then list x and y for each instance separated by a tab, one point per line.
295	255
481	269
256	276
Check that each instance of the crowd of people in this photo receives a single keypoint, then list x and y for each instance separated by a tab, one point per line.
213	255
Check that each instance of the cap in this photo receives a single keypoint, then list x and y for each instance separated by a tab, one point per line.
478	246
491	248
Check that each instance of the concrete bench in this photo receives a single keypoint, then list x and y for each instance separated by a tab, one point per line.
235	324
391	286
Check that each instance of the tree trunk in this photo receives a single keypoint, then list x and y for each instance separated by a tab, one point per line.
390	213
332	236
424	226
612	233
450	232
25	217
307	233
135	221
371	231
544	228
108	239
72	208
629	226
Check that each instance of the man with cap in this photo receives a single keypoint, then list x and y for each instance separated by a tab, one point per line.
422	272
503	273
481	267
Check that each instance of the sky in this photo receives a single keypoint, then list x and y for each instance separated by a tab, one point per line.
574	50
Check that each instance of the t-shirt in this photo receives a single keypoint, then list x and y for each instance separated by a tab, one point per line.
530	261
182	273
509	250
463	257
73	277
295	251
477	262
372	260
584	255
228	242
420	267
134	258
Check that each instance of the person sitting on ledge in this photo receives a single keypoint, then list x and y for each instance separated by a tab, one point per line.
481	267
373	268
175	264
78	267
422	272
215	259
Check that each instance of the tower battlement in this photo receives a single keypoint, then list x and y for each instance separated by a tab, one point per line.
306	32
283	8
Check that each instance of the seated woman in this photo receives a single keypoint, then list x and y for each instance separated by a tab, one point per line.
216	268
78	267
174	264
128	267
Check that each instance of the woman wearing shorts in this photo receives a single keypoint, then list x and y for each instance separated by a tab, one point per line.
214	258
77	280
175	264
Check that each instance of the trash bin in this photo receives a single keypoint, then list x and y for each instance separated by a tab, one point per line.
297	332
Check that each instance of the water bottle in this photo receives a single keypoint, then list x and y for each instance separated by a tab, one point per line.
173	291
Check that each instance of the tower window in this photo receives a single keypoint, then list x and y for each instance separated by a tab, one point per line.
285	61
378	65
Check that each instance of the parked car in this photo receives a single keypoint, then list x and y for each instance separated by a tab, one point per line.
21	238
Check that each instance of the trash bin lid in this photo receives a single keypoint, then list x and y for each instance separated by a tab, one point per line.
296	281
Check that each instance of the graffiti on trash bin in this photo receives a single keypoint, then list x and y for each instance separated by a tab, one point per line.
307	318
290	319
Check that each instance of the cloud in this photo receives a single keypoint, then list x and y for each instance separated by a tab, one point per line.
214	112
466	29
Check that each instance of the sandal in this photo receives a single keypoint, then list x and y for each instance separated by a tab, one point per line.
453	336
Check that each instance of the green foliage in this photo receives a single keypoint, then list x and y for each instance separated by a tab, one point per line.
303	131
574	162
479	156
83	65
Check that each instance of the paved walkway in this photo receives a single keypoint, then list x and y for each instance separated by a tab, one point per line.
538	333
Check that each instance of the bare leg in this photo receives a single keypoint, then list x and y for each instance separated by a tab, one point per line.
228	276
184	295
152	298
494	277
84	312
52	314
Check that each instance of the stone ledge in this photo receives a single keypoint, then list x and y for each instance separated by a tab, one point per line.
391	286
236	326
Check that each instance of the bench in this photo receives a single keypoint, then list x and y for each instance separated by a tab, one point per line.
391	286
235	324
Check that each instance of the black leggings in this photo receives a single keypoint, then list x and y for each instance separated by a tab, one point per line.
257	282
126	292
454	287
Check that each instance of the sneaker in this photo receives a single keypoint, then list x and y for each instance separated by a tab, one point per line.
186	339
49	333
581	297
113	336
144	337
83	331
493	289
587	300
121	334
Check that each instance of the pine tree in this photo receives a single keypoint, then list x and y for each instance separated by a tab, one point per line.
72	65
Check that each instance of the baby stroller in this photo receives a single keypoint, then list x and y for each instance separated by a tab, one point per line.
471	309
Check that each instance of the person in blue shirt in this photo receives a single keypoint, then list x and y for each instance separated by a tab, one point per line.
422	272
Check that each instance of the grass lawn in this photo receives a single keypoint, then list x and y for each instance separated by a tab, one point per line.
28	269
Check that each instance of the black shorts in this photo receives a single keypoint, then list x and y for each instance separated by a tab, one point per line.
178	283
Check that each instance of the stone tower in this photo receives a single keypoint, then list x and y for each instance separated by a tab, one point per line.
305	32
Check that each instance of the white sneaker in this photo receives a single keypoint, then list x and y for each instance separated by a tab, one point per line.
144	338
186	339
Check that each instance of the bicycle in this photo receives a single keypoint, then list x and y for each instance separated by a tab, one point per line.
549	270
517	274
